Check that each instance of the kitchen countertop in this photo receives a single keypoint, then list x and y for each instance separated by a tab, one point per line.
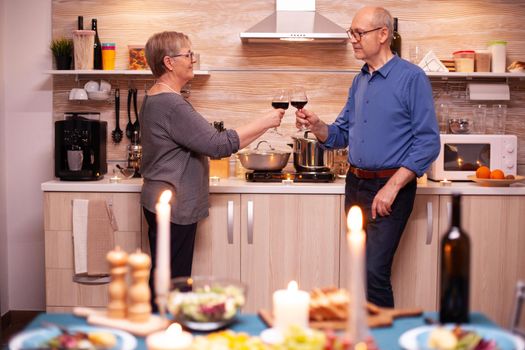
234	185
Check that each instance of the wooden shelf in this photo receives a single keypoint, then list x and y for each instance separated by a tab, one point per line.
111	72
443	75
475	75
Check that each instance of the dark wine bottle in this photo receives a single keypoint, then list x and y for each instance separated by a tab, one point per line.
97	58
455	270
395	45
80	24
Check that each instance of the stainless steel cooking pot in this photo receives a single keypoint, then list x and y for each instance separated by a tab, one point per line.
264	160
309	156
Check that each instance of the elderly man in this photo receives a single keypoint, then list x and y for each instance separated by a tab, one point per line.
390	127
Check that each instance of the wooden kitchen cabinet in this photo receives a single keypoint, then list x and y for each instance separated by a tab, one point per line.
267	240
496	227
62	294
217	244
414	271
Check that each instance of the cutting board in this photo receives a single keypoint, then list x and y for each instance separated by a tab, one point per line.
143	329
383	318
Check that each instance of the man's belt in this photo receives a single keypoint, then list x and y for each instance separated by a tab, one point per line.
371	174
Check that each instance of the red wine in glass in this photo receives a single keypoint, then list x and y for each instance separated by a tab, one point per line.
299	104
280	104
299	99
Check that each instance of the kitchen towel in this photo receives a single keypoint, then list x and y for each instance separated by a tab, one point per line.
100	236
80	223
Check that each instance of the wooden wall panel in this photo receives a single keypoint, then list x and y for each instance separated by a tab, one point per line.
241	83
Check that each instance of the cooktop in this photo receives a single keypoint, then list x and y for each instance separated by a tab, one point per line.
278	176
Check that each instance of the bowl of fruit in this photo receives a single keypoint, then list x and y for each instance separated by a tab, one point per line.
485	176
205	303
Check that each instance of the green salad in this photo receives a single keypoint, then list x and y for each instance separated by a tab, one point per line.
207	304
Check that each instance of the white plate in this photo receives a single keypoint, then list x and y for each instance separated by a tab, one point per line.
496	182
35	338
416	339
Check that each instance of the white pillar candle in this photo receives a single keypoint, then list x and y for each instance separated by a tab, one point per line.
357	327
171	339
162	269
290	307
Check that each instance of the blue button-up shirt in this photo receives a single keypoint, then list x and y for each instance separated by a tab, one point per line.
388	120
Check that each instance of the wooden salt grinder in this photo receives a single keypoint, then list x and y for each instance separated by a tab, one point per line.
139	309
118	260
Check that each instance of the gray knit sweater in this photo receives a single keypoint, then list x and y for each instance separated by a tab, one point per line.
176	143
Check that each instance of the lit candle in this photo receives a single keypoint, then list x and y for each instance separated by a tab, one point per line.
162	270
445	182
287	182
290	307
357	327
174	338
214	180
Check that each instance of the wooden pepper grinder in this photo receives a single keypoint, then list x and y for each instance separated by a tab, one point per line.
118	260
139	309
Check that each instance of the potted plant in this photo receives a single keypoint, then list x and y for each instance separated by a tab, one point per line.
62	51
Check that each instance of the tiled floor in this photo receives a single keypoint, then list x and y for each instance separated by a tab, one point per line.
18	320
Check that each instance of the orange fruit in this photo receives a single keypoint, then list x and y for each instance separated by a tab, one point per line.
497	174
483	172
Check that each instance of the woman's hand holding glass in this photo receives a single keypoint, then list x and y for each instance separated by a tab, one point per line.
281	100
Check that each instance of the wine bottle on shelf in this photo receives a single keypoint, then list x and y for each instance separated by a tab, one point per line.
97	57
80	24
395	45
455	270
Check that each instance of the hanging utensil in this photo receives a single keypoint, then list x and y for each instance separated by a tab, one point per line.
116	134
129	126
136	125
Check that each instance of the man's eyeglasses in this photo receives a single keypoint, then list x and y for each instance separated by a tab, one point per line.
357	36
189	54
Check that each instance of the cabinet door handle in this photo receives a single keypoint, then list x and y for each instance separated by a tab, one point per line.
92	280
250	222
430	223
230	222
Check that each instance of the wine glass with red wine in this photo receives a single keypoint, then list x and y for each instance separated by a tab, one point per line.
299	99
281	99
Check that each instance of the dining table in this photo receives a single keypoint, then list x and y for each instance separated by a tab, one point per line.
385	337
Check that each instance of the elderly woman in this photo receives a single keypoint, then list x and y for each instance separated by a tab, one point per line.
176	143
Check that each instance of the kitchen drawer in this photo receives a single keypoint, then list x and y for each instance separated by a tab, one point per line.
59	247
61	291
59	207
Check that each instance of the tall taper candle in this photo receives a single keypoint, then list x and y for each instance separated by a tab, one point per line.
162	270
357	327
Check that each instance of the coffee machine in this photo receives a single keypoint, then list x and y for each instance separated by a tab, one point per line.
80	147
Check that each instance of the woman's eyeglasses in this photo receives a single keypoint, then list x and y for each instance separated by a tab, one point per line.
189	54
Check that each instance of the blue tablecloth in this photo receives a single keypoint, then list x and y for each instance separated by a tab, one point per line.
386	338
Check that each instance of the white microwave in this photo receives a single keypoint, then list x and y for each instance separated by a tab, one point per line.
461	155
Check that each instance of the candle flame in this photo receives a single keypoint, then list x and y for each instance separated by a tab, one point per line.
354	220
361	346
292	286
174	329
165	197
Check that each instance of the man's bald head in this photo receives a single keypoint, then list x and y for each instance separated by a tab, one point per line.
377	17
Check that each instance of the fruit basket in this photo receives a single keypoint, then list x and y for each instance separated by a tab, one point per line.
205	303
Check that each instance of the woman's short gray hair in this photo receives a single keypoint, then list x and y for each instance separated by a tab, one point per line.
164	44
383	18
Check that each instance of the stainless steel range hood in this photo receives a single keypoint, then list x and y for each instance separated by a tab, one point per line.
295	20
